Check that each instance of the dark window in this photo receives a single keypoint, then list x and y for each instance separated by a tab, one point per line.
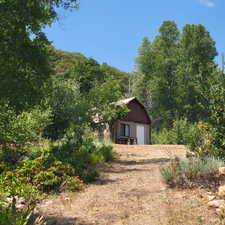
124	130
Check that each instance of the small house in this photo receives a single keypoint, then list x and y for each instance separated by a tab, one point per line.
135	128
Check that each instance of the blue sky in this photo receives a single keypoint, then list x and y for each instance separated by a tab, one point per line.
112	30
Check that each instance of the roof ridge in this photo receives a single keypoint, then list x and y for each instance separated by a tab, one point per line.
125	101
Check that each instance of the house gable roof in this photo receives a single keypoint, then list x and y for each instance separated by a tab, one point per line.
125	101
133	116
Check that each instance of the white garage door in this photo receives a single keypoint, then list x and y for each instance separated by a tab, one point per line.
140	135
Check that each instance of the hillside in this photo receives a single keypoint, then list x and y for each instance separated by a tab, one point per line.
63	61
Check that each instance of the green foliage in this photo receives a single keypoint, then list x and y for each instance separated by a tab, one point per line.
17	132
183	172
217	115
87	73
63	165
113	74
210	142
102	98
45	172
195	72
63	62
79	149
213	132
35	104
11	186
74	184
182	132
156	81
11	191
176	78
174	74
24	55
105	148
67	106
101	85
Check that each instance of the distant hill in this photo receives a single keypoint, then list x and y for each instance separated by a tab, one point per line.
64	61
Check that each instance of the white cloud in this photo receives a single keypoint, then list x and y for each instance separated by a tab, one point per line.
208	3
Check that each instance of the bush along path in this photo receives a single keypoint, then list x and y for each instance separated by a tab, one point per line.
130	191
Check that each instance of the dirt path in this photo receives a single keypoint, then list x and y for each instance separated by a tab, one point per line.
130	192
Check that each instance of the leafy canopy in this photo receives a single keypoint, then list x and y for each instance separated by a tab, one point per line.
24	48
174	74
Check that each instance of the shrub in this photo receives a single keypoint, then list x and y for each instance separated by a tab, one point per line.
73	184
79	149
17	132
206	144
9	217
11	190
105	149
45	172
203	146
182	132
67	106
76	155
217	115
182	172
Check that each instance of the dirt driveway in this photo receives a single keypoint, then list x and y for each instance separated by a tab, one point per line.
131	192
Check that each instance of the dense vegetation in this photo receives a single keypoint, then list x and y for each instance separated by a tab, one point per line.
183	89
49	100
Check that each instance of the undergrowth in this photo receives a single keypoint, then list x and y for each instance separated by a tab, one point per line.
51	167
192	172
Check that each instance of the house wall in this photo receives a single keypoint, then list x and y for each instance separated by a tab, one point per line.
136	116
133	130
147	134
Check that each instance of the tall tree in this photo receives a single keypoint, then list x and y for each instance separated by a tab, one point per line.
24	48
164	85
195	71
87	73
157	63
112	73
145	71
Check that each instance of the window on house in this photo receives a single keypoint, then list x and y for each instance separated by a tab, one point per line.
124	130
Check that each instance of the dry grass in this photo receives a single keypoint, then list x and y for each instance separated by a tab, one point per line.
187	208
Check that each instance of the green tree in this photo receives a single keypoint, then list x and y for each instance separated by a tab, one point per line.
87	73
163	86
17	132
145	63
145	59
195	72
63	62
102	99
216	97
112	73
156	64
68	108
24	48
175	72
